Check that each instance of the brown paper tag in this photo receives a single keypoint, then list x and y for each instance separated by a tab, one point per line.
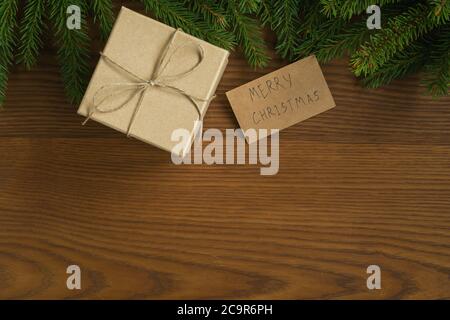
282	98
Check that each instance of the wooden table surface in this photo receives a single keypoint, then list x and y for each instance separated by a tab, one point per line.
365	183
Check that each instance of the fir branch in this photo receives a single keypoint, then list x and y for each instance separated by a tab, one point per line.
103	13
212	12
301	26
31	30
317	30
441	9
249	34
176	15
399	33
347	40
265	12
311	18
347	9
73	51
330	7
437	66
248	6
8	13
286	24
404	63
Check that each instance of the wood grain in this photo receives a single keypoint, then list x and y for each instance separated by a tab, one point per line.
365	183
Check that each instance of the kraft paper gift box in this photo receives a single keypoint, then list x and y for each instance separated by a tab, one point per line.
152	79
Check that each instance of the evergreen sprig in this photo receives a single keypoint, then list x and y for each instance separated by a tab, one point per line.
175	14
311	17
73	48
212	12
248	6
265	12
347	9
31	30
399	33
402	64
286	23
340	43
437	66
248	33
8	12
440	10
332	28
316	31
414	36
103	13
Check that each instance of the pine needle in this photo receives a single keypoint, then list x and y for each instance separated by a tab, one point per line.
212	12
348	9
437	66
31	30
286	24
73	51
249	34
8	12
347	40
399	33
265	12
327	28
403	63
317	31
174	13
249	6
103	13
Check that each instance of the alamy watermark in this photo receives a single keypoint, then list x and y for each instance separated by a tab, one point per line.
228	150
73	21
73	281
374	280
374	20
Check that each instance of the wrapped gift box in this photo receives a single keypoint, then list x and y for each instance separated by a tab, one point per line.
126	94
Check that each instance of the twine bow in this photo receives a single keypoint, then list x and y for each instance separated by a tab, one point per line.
141	86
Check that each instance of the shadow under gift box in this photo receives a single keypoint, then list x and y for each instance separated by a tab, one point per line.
136	43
